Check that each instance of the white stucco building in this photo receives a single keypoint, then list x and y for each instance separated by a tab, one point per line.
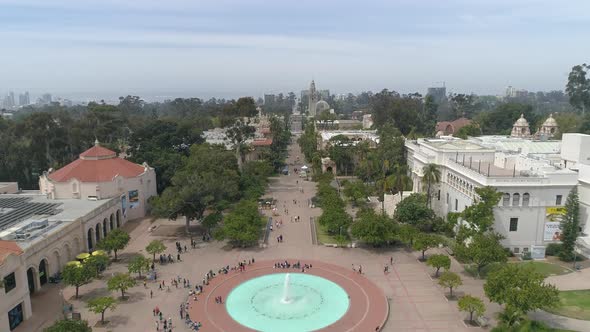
99	174
38	236
529	173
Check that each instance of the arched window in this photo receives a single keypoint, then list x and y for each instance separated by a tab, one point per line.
506	199
516	199
74	187
525	199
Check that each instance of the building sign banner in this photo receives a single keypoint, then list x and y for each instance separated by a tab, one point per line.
552	231
133	199
555	210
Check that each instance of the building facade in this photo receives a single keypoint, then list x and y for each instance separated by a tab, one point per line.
534	189
100	174
38	236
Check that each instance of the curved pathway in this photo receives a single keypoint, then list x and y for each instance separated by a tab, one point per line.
572	281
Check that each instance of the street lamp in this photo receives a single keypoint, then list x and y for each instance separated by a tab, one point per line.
575	256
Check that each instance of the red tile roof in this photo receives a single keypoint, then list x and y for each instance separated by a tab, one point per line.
8	248
98	151
97	164
452	127
262	142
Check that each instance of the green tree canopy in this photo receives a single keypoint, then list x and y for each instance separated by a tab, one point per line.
97	263
500	120
450	280
521	289
407	234
423	242
101	304
472	130
243	225
578	87
438	262
114	241
155	247
472	305
482	250
78	275
137	264
480	216
121	282
69	325
209	175
570	226
374	229
356	191
414	210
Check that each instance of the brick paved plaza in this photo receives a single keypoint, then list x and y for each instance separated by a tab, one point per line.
416	302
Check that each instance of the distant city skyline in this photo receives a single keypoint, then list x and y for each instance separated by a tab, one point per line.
229	48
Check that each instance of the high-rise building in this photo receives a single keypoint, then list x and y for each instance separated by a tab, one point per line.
324	94
438	94
269	99
47	98
24	99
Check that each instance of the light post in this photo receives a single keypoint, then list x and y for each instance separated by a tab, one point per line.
575	256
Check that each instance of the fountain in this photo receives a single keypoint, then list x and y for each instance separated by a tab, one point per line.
286	298
287	302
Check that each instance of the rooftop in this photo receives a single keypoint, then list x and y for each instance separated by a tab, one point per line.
97	164
515	144
452	144
8	248
37	215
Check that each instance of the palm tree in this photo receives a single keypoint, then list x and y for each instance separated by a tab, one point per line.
401	180
398	181
431	175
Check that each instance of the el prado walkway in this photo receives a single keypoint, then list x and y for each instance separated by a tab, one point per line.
416	302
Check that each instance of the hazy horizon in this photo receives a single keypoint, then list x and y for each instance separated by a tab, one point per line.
228	48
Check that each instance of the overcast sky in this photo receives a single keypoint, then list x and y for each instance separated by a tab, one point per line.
239	47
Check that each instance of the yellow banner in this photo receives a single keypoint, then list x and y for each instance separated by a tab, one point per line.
555	210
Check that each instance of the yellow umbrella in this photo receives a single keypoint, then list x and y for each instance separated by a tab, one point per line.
75	263
99	252
83	256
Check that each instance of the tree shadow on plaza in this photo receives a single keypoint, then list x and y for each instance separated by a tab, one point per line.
114	321
132	297
86	295
253	249
179	232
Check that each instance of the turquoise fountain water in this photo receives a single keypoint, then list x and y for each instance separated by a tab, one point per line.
286	302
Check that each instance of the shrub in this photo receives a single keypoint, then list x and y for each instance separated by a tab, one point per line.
526	256
553	249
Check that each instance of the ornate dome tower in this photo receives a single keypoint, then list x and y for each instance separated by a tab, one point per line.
521	128
321	106
549	128
313	99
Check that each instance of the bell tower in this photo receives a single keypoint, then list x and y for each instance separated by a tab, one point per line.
313	99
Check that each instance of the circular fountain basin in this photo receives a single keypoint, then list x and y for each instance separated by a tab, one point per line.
312	303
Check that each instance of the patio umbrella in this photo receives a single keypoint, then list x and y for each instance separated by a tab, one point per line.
83	256
75	263
99	253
